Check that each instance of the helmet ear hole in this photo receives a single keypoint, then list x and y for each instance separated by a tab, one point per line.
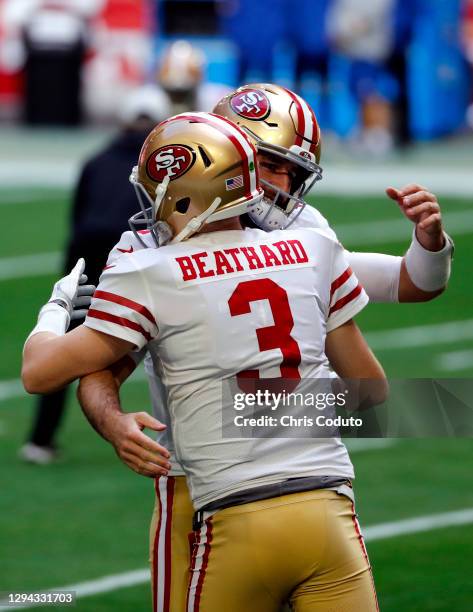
205	157
182	205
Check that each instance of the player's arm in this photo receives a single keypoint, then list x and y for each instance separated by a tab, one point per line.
99	398
51	361
52	358
352	359
426	266
423	272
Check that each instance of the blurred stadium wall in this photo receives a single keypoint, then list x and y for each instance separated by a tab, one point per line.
401	65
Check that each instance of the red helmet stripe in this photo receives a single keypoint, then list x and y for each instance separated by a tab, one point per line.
307	124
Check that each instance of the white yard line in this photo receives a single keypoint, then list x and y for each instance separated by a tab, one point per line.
28	197
418	524
10	389
95	587
454	361
28	266
422	335
375	532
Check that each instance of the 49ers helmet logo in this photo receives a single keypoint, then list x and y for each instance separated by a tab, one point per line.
171	160
251	104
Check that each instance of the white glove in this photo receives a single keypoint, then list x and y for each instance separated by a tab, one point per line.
55	316
65	291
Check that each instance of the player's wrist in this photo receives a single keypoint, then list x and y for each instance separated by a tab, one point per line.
430	242
428	269
110	426
52	318
60	302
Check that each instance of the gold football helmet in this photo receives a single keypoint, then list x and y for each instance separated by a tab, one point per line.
193	168
282	125
181	67
180	74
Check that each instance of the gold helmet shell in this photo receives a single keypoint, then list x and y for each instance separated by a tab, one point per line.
195	168
280	123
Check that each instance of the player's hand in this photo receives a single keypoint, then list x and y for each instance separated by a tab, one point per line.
65	290
422	208
83	299
137	450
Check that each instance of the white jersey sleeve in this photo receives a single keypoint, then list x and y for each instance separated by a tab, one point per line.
122	305
378	273
347	296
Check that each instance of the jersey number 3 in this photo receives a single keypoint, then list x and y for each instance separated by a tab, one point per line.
277	336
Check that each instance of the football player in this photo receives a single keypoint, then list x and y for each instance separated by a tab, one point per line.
287	138
219	302
286	134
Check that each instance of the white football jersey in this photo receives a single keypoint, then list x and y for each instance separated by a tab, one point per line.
378	273
311	217
217	305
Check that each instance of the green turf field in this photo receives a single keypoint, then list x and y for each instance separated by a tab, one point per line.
87	517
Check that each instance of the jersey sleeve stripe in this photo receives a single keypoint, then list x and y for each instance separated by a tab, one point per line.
118	299
338	282
106	316
346	299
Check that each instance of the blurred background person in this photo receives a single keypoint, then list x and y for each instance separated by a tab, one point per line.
103	202
180	73
55	42
363	32
467	43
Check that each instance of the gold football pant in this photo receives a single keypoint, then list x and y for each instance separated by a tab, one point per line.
305	547
171	527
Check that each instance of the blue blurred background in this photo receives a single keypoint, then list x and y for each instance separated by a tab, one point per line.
389	71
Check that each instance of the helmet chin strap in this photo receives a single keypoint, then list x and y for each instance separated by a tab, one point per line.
160	192
196	223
